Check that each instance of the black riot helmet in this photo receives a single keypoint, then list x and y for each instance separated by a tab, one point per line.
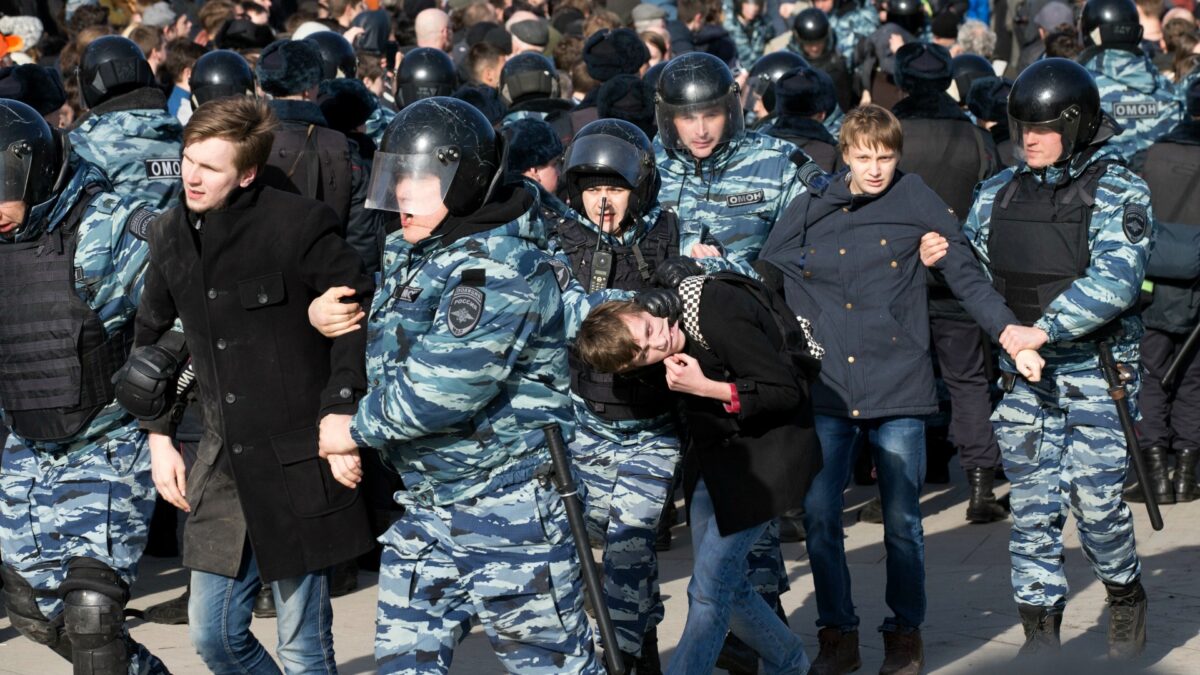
436	151
111	66
31	157
766	72
424	72
965	69
693	83
616	148
528	75
1114	22
908	14
812	26
220	74
337	55
1057	94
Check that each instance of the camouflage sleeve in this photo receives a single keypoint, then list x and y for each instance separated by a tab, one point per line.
1121	235
457	367
577	301
693	233
128	233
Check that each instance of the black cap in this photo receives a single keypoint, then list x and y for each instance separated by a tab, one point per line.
988	98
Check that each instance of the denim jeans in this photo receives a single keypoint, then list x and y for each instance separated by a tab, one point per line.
720	598
898	447
219	614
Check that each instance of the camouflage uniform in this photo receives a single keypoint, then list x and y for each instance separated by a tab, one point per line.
139	150
852	26
91	497
735	195
378	122
749	39
467	362
1061	441
1135	94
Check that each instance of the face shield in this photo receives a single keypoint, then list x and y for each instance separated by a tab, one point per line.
414	184
15	164
701	126
1066	125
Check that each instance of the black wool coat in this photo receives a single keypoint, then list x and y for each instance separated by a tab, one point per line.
757	463
241	283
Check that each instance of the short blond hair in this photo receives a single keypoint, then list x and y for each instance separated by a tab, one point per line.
245	121
871	126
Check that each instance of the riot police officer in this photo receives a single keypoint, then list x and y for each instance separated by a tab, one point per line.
758	98
804	97
814	38
1066	235
423	73
337	55
748	25
127	131
874	55
850	21
218	74
529	87
72	254
469	308
1132	91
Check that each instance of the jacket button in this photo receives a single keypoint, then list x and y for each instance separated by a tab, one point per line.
212	294
850	359
811	251
237	448
845	209
894	265
221	344
230	398
841	251
854	413
883	242
807	274
345	392
262	298
849	305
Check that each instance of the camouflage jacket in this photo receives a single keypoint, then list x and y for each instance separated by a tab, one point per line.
851	26
466	354
1113	279
749	39
736	194
1134	93
378	122
137	144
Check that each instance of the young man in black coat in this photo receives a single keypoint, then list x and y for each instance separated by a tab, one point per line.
752	451
238	264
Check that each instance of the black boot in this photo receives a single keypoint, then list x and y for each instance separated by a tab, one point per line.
791	527
1185	475
343	578
737	657
1126	620
982	508
648	663
264	604
173	612
1160	483
1042	626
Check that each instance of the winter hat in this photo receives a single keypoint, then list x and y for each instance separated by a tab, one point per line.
608	53
804	91
346	103
945	26
591	180
39	88
988	98
28	28
308	28
921	66
531	142
627	97
534	32
485	99
289	67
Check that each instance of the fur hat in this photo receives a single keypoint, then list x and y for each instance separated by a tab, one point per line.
608	53
39	88
627	97
922	66
804	91
346	103
243	34
531	142
988	99
289	67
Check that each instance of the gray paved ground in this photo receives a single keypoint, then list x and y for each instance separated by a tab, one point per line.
971	625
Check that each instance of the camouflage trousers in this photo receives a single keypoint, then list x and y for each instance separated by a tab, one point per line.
626	487
767	573
1063	450
506	559
93	501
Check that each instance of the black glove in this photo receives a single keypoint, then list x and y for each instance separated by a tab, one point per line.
672	271
664	303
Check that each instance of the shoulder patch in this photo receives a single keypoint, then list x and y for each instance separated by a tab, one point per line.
106	204
139	221
1135	109
466	308
163	168
745	199
562	273
1135	223
474	277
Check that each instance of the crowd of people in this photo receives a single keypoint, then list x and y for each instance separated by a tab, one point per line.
298	288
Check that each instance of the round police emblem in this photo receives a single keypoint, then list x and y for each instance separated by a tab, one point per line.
466	308
1135	222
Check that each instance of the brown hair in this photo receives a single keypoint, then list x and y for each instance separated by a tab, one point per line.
600	19
871	126
604	341
245	121
213	14
147	38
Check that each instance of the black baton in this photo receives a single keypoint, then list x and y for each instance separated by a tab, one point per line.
565	485
1185	352
1116	390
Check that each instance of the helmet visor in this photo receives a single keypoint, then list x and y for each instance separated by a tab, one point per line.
595	154
1066	126
756	88
413	184
695	127
15	164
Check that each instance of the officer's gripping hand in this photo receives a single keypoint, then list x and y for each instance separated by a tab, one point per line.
332	317
705	251
933	248
1030	364
672	271
664	303
335	438
1016	338
347	469
168	471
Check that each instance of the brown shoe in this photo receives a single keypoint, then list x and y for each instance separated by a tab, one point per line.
839	652
903	653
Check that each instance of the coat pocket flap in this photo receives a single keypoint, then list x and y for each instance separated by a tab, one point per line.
262	291
296	446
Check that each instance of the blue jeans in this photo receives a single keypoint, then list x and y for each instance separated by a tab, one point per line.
720	598
219	614
898	447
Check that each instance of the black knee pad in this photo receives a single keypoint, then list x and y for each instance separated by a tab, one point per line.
20	601
94	598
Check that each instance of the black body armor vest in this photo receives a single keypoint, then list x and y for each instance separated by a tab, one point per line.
1038	244
617	397
56	361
